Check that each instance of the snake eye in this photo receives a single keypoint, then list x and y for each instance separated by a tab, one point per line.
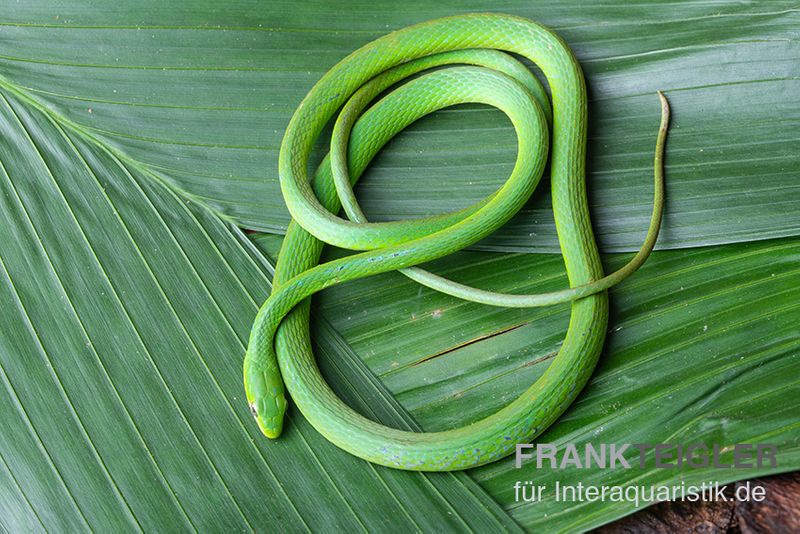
253	410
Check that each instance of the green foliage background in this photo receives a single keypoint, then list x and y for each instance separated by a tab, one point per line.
138	139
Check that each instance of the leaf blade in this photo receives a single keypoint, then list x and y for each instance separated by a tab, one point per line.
703	347
211	121
142	302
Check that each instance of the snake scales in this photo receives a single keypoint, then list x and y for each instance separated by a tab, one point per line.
476	48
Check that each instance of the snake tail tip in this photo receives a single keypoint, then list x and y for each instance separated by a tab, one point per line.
665	111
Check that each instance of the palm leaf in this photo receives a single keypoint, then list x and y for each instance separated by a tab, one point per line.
703	349
136	138
203	97
125	315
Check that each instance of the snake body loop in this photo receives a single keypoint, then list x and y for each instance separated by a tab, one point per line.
279	349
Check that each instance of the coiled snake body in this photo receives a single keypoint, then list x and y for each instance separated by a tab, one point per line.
279	349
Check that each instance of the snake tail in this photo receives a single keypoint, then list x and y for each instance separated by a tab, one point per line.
444	62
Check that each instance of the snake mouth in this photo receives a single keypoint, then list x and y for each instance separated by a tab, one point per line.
272	430
270	434
267	403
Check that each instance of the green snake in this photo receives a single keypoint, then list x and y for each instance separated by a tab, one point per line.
477	47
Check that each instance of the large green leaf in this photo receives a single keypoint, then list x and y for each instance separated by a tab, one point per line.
201	95
135	133
703	347
125	312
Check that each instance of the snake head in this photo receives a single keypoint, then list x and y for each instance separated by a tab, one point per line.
266	398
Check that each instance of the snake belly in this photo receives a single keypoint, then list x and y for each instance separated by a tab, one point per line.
279	355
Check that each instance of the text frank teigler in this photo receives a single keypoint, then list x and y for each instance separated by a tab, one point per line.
642	455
